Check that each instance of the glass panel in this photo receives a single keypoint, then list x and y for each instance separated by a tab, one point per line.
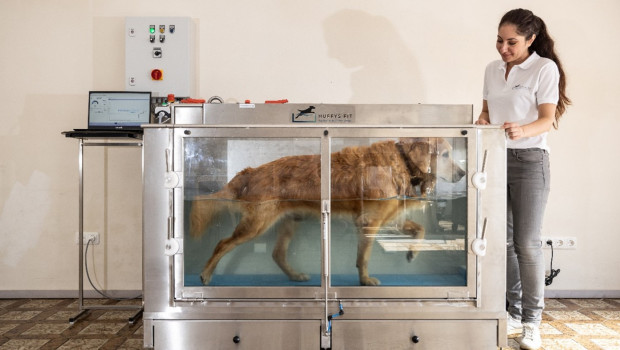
406	200
250	186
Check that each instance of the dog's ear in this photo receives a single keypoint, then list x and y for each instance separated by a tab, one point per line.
430	141
418	151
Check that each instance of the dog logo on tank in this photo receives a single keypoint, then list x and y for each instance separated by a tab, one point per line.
304	115
333	114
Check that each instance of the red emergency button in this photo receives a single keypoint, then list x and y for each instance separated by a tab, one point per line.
157	74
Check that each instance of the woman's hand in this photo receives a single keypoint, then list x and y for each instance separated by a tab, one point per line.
546	117
514	131
482	121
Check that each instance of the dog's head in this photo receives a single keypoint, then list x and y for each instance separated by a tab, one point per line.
432	155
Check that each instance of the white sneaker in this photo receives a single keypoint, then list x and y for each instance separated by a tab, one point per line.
514	326
530	339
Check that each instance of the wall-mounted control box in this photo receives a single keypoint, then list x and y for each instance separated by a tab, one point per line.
160	55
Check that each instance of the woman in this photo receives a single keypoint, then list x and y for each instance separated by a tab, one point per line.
525	93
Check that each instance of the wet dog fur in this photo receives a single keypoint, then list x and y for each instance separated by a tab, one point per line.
284	190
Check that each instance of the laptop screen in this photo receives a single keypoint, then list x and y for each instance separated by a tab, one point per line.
118	110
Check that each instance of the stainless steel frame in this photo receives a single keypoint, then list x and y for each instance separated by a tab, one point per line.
185	317
82	308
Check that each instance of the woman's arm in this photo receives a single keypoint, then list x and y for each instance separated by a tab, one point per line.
483	119
546	117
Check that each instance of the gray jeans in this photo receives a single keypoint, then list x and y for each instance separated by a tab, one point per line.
528	190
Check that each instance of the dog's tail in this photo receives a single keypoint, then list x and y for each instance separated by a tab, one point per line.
205	208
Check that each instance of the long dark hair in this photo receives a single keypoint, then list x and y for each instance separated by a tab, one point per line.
527	25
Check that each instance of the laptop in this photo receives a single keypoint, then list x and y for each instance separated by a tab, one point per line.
115	114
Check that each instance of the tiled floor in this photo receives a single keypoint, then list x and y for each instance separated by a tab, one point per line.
44	324
580	324
568	324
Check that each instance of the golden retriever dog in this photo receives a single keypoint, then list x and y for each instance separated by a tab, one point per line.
374	184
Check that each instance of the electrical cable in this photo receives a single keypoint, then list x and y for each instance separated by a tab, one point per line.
91	282
553	273
331	317
163	117
215	99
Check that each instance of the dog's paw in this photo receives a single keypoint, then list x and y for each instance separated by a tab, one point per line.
369	281
300	277
428	184
205	278
411	255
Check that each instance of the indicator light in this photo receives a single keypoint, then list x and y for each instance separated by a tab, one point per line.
157	74
162	29
152	29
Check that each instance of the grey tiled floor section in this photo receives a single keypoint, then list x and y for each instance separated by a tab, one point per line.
568	324
44	324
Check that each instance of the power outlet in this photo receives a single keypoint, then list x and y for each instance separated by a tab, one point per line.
560	242
87	236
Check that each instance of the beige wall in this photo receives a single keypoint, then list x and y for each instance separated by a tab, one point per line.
341	51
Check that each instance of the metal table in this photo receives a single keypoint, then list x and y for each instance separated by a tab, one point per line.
97	142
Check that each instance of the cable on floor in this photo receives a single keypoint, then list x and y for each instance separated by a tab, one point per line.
91	282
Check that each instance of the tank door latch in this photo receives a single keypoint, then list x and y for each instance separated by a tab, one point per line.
479	180
172	179
173	246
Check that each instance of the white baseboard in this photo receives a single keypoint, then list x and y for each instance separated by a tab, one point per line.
582	294
57	294
67	294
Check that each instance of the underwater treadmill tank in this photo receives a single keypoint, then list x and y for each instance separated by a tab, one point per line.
319	226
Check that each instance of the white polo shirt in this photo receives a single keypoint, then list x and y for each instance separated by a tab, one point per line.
516	99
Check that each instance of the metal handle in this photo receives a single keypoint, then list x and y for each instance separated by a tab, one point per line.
168	160
325	215
479	245
479	179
